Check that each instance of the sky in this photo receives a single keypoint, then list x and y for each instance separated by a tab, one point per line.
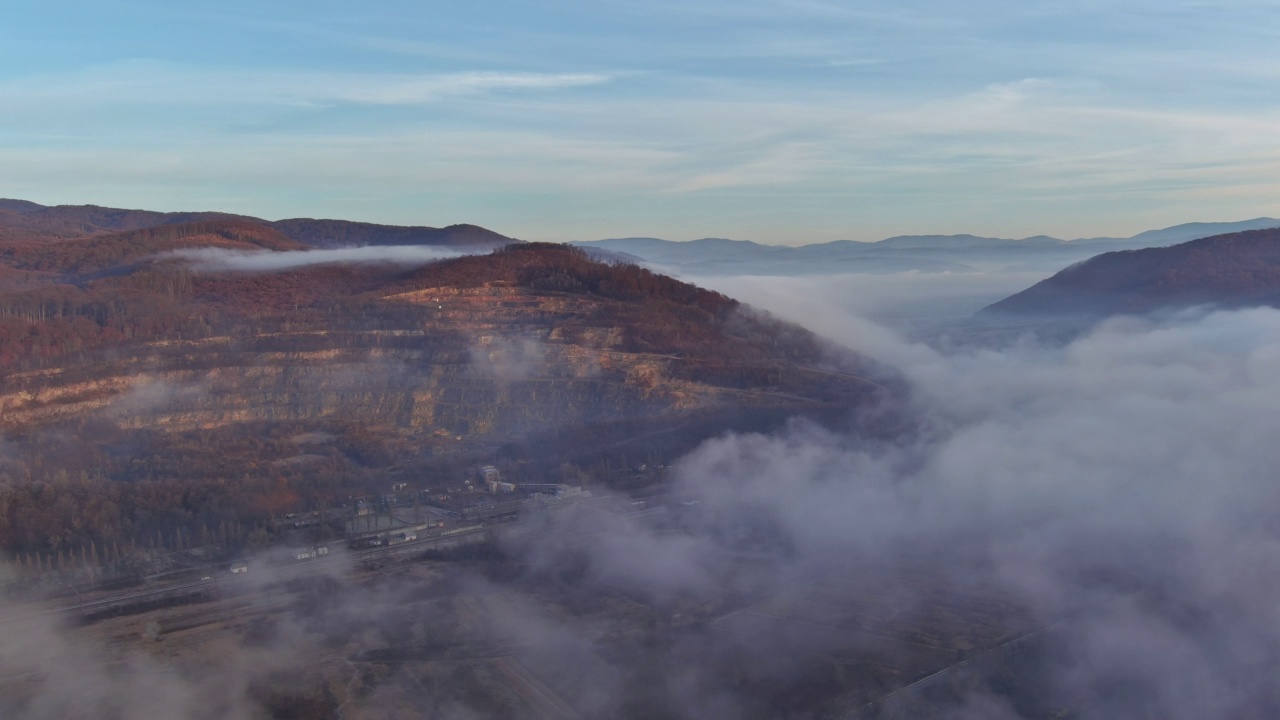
781	121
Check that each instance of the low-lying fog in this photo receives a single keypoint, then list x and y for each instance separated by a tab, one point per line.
1125	480
914	304
1121	487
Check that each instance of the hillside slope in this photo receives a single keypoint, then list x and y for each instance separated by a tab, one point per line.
195	398
98	252
1232	270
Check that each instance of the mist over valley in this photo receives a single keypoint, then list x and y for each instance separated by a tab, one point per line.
254	474
711	360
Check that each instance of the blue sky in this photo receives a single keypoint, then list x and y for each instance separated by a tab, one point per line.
786	121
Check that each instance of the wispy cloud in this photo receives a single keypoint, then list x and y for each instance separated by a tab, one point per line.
1012	158
410	90
157	83
851	122
772	165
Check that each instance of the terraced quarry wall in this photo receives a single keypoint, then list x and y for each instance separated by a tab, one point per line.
496	359
189	396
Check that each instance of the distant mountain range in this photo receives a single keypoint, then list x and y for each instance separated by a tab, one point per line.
920	253
25	220
22	219
1232	270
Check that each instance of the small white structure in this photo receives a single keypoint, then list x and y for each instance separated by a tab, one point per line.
497	486
239	567
403	537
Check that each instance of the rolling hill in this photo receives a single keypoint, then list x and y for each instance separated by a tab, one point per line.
22	219
343	233
132	373
1233	270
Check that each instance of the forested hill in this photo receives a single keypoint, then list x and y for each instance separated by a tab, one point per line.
1234	270
344	233
144	394
96	252
552	268
21	219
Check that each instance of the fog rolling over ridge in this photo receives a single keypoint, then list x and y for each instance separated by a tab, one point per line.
1122	485
1118	490
711	360
1113	499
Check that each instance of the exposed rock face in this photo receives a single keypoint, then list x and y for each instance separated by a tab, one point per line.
151	401
530	340
503	385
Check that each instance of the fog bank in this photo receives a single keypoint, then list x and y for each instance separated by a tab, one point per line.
1114	495
914	304
1119	490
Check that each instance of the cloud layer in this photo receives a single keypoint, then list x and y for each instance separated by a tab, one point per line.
776	120
1118	489
1114	496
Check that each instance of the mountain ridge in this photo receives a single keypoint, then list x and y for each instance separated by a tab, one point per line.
22	216
902	253
1229	270
24	219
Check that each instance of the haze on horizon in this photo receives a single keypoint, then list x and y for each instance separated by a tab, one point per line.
780	121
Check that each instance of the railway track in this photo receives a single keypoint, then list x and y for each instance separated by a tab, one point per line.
223	581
